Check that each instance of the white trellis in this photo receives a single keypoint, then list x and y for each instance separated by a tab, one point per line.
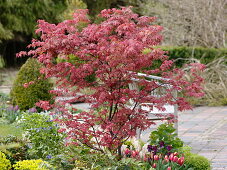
168	109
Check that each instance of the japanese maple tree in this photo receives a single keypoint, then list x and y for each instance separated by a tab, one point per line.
105	57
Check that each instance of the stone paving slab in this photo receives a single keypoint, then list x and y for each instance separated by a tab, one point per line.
205	130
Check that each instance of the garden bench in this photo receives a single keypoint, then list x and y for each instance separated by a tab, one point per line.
156	114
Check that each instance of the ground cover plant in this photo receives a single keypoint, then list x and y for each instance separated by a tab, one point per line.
105	57
4	163
42	134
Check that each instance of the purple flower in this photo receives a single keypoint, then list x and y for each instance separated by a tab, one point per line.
16	108
149	148
32	110
161	144
49	120
152	148
48	156
169	147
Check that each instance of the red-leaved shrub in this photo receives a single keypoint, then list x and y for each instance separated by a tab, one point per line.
105	57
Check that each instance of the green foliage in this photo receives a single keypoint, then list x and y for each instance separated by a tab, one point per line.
182	54
14	148
21	15
165	139
72	5
31	165
43	134
132	164
26	98
85	158
4	97
224	101
4	163
197	162
96	6
18	20
3	105
10	113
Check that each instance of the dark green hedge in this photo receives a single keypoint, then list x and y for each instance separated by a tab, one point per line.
205	55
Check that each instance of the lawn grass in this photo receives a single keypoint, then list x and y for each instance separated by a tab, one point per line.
10	129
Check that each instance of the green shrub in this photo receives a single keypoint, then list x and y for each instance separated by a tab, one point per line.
31	165
165	139
43	134
26	98
197	162
4	163
205	55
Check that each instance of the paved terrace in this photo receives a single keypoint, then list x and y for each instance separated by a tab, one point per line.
205	130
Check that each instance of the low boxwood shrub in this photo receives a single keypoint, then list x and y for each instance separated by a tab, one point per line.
30	86
4	163
205	55
197	162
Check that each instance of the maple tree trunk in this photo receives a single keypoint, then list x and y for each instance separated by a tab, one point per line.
119	151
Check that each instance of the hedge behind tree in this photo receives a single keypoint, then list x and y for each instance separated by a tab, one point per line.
182	54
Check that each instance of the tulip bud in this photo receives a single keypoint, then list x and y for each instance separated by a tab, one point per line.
166	158
181	161
135	154
171	157
156	157
154	165
175	159
169	168
127	151
175	153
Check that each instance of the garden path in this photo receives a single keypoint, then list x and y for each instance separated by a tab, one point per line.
205	130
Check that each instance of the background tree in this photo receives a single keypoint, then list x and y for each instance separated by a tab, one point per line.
95	6
190	23
18	21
